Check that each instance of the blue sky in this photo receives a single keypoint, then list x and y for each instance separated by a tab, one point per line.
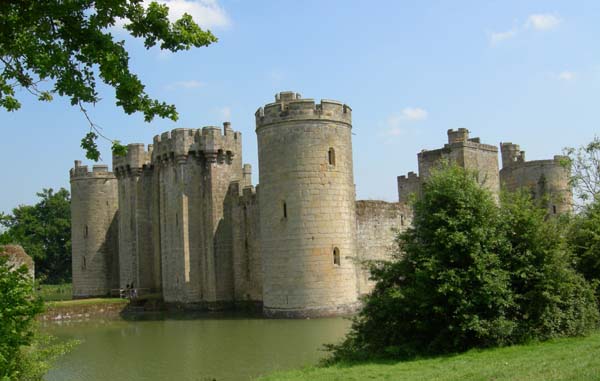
520	71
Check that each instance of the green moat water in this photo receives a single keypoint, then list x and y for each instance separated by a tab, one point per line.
191	349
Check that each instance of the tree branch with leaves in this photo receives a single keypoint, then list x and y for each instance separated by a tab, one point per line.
585	170
50	47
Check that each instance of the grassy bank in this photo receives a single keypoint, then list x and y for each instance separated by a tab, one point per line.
54	292
563	359
85	302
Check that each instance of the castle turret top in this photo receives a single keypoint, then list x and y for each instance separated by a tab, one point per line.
81	171
290	106
458	136
208	142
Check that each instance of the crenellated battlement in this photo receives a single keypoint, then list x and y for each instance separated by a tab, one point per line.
81	172
458	136
411	176
290	106
136	158
407	185
209	143
511	154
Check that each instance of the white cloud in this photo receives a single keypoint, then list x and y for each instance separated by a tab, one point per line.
414	113
566	76
192	84
206	13
496	37
539	21
543	21
225	113
396	123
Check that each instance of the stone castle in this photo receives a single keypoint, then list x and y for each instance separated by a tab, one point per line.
182	218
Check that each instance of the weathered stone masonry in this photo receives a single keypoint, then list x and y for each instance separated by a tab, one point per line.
181	216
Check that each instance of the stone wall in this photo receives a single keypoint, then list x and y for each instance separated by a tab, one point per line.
139	259
377	225
468	153
94	230
247	260
307	210
408	187
194	170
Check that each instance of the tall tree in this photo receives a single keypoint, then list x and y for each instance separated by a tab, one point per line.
44	231
585	171
551	298
62	47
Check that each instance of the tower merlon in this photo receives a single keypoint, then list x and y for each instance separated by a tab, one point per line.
82	172
209	142
135	159
458	136
289	106
511	153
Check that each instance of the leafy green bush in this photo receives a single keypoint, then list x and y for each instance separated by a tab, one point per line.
551	298
25	354
18	308
470	274
584	239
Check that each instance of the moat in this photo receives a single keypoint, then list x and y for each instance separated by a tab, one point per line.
230	348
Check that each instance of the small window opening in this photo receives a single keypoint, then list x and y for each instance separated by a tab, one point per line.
84	265
402	219
331	156
554	209
177	219
85	232
336	256
284	210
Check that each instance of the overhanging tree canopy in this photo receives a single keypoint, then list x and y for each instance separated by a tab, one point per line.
63	47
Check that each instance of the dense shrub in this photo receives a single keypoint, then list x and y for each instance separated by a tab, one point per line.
18	308
551	298
470	274
584	240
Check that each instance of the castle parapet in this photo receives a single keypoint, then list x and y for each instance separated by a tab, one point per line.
458	136
208	143
290	106
136	158
511	154
407	185
81	172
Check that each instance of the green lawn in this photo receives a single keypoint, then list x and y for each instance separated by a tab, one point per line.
563	359
53	292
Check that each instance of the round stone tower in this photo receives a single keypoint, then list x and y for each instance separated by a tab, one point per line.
307	207
94	231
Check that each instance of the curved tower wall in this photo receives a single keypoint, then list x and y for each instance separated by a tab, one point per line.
547	180
94	231
306	207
